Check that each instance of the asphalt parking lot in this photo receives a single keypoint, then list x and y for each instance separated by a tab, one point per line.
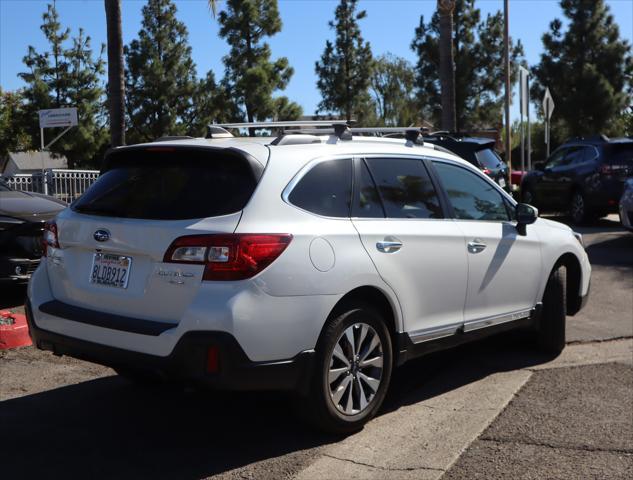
493	409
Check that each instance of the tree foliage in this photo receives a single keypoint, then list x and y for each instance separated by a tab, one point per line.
391	86
13	136
478	56
345	67
65	75
251	77
588	69
161	76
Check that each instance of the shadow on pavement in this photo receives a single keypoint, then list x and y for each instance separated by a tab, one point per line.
109	428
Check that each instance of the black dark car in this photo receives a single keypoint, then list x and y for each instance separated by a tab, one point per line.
22	217
476	150
584	177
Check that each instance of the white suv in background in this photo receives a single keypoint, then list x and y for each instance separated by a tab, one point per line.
307	262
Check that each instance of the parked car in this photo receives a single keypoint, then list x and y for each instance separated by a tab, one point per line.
626	206
584	177
478	151
308	263
22	217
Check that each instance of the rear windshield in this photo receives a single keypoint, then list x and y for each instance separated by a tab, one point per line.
488	158
621	154
170	185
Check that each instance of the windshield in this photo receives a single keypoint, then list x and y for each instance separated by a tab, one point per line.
487	158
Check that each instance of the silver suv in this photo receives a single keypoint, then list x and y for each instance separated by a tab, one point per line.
308	262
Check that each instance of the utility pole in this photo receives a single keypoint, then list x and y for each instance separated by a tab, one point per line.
506	61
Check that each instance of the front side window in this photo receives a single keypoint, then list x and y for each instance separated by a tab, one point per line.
367	203
326	189
405	188
472	197
558	158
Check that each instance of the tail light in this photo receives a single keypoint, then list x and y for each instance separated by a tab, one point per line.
228	256
49	238
486	171
606	169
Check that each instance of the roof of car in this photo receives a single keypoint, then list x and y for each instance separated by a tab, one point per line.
599	140
260	147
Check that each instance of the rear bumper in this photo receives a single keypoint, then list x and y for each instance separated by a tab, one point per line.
188	360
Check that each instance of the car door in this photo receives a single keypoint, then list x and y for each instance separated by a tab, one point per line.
548	188
562	176
419	253
504	267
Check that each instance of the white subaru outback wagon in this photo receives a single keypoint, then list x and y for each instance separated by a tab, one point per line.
306	262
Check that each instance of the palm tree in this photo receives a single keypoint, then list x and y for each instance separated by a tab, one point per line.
116	79
445	9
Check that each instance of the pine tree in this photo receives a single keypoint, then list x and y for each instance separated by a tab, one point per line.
478	54
345	67
250	76
391	86
161	76
66	76
588	70
13	136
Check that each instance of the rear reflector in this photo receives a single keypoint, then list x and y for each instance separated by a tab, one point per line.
228	256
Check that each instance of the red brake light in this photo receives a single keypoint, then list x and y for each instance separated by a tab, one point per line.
606	169
230	256
49	238
486	171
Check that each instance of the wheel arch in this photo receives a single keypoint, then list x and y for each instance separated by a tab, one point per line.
374	296
573	272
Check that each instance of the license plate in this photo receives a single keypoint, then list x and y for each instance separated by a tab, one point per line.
502	182
110	270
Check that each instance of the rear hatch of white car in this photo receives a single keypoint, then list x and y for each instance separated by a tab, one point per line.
114	239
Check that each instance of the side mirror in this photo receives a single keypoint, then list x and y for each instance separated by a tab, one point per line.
525	215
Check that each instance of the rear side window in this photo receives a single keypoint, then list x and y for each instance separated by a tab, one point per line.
405	188
472	197
170	185
621	154
487	158
326	189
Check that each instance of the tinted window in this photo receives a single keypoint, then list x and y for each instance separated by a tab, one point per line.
575	155
367	203
172	185
620	154
326	189
488	159
405	188
557	159
589	154
472	197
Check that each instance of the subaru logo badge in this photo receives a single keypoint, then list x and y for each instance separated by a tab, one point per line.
102	235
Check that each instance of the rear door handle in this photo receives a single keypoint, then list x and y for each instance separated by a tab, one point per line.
389	246
476	246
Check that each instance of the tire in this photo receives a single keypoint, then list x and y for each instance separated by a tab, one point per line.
578	210
551	329
328	403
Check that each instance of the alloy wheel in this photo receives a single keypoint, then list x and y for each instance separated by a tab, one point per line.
356	366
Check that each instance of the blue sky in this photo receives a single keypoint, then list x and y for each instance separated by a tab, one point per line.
389	27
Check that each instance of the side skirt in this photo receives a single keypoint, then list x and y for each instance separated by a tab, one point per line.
453	336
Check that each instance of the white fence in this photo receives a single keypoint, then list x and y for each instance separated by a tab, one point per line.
67	185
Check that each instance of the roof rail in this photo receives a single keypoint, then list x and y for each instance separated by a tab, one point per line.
286	124
167	138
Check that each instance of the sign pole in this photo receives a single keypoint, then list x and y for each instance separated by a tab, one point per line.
529	135
547	130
